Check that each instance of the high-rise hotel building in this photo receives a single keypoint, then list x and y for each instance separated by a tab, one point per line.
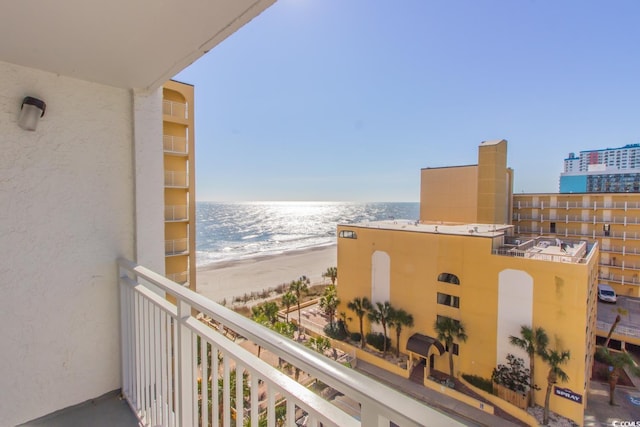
179	182
599	199
606	170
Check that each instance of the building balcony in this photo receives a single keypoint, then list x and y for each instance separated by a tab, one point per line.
176	179
621	265
179	371
175	145
620	250
176	213
576	205
619	278
175	109
176	247
619	235
604	328
621	220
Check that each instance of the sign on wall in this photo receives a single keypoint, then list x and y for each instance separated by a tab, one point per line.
567	394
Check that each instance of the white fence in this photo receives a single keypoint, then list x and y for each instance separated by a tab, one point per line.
176	213
177	371
175	144
175	109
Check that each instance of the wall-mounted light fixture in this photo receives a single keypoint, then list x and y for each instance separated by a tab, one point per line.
30	112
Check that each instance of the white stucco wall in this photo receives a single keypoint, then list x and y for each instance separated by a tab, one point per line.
149	180
515	309
380	277
66	213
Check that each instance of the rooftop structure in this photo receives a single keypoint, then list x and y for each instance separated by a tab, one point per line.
471	193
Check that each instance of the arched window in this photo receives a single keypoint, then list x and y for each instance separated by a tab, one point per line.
448	278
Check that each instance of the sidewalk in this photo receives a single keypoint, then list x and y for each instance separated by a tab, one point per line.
465	413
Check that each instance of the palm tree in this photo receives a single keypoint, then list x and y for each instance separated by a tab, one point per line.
613	327
288	299
618	360
360	306
381	313
554	359
533	342
270	311
260	317
297	287
332	274
329	303
400	318
319	344
449	330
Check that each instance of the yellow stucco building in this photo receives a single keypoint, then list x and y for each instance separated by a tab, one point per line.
613	219
462	260
179	182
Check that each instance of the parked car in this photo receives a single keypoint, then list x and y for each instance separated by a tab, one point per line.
606	293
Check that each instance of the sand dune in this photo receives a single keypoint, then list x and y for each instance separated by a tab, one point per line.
235	278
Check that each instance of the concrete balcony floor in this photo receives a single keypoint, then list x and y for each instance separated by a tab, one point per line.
108	410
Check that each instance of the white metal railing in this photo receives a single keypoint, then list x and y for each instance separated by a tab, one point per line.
176	213
593	234
175	109
622	265
621	250
564	204
177	371
622	330
619	278
175	144
176	179
176	246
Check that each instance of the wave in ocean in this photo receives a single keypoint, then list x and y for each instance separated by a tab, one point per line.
227	231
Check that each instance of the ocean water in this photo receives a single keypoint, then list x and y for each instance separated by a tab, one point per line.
229	231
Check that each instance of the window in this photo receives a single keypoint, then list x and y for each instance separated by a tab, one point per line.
348	234
438	317
607	229
552	227
449	278
456	348
449	300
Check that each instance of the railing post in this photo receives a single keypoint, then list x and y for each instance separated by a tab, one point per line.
369	416
185	369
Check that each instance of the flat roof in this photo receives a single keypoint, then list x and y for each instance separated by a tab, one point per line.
482	230
492	142
448	167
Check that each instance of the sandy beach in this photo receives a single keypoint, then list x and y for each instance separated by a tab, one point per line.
225	280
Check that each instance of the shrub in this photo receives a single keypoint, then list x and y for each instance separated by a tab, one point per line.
482	383
355	337
513	375
377	341
335	332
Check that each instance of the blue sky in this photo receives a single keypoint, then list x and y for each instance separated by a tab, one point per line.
349	99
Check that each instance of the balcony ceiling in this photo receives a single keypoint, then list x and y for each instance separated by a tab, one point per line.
123	43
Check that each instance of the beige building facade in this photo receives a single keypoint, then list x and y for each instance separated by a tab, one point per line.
612	219
178	139
464	260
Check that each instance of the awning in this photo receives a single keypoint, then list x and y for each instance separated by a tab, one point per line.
420	344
